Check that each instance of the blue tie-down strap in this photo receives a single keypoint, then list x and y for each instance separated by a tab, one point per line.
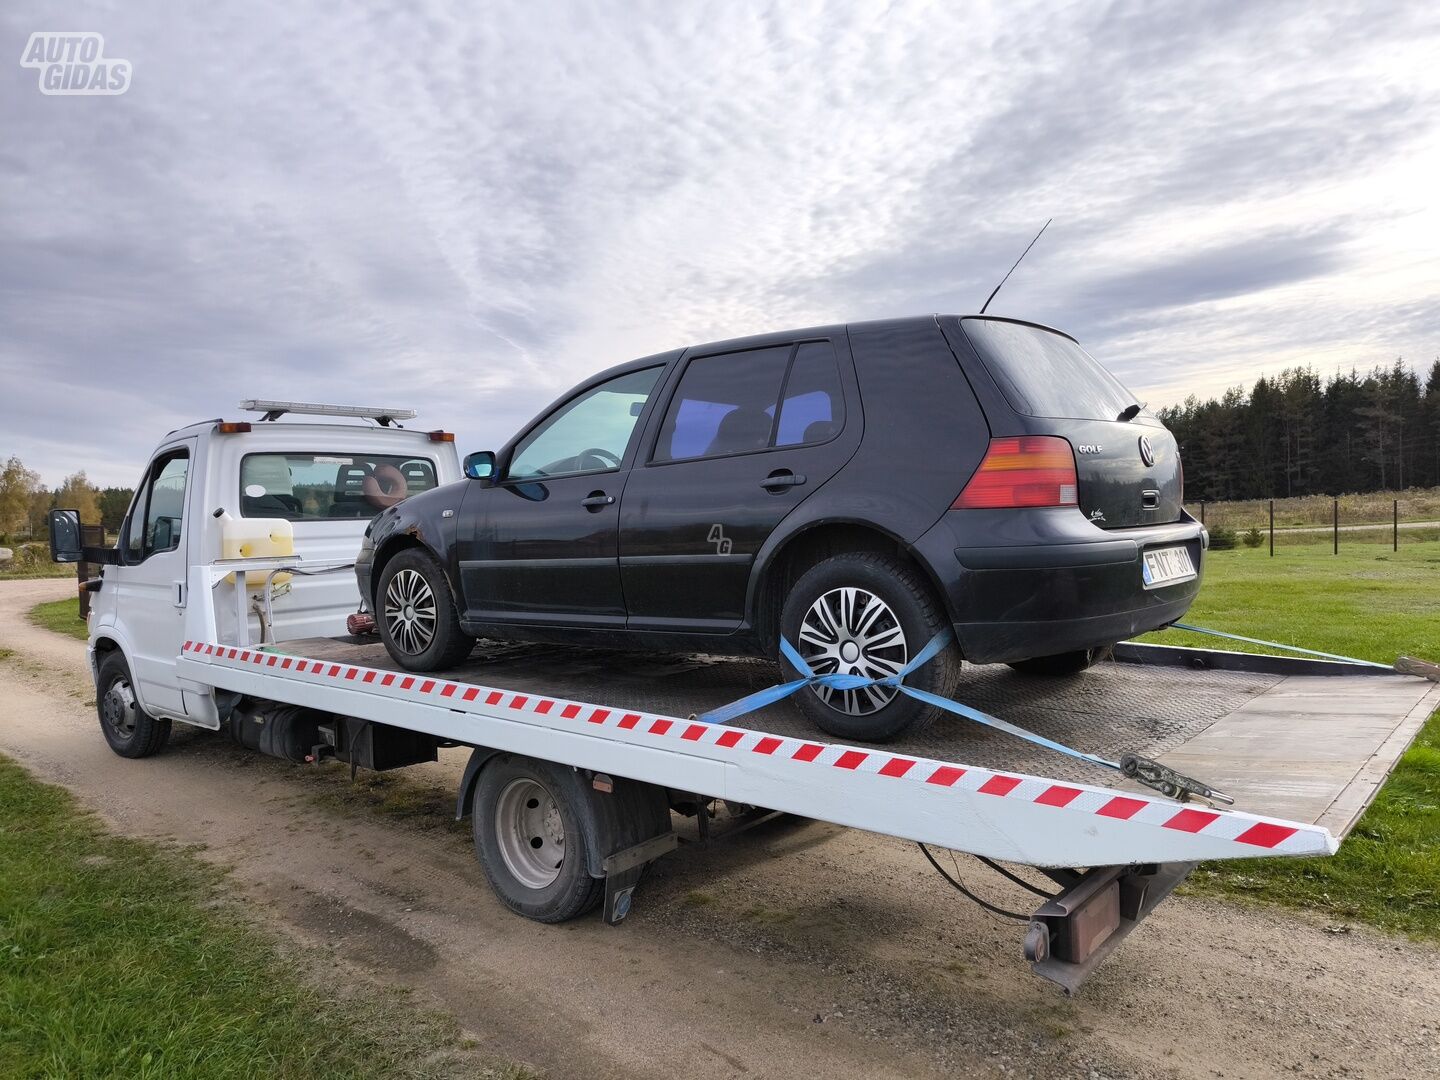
837	681
1278	645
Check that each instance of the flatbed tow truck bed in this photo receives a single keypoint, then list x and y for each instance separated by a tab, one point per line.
1311	748
1301	745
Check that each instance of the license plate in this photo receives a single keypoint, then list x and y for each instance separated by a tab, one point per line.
1166	566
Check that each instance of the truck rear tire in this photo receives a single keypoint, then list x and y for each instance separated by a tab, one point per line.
530	840
129	729
416	614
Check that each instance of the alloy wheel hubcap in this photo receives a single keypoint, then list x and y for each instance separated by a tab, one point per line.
410	612
853	632
530	832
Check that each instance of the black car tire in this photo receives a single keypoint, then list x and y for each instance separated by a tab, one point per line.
1067	663
919	615
517	780
418	644
129	729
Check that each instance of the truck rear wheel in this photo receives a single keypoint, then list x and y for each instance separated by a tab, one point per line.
129	729
530	841
416	614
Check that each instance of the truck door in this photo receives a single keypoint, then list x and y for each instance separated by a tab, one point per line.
150	579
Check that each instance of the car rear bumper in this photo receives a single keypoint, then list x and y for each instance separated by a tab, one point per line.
1058	583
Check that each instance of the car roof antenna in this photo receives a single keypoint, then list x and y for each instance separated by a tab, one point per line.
1017	263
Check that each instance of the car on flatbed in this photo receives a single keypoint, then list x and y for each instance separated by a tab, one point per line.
855	489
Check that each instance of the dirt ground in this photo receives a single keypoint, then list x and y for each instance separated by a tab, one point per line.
848	957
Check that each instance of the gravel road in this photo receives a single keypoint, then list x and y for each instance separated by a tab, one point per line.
845	958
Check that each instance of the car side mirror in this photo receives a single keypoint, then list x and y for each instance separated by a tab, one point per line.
65	545
480	465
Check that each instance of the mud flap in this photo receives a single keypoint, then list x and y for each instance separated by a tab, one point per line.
624	869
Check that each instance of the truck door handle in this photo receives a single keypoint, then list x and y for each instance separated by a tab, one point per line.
596	499
781	479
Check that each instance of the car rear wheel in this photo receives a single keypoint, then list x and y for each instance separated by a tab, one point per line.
866	614
416	614
1067	663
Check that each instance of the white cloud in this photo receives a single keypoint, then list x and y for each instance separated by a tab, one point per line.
470	208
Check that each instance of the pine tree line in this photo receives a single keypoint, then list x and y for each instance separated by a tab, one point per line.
1293	435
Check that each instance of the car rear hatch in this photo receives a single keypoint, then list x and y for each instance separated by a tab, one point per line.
1127	470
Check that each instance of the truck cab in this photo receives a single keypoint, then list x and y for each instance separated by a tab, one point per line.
300	483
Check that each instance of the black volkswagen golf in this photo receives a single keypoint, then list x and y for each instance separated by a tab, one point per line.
857	489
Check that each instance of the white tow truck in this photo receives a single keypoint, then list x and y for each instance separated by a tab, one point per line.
224	605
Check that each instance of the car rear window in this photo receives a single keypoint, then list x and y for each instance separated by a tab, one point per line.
328	487
1042	373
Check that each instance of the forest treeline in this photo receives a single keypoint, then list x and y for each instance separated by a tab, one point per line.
1294	434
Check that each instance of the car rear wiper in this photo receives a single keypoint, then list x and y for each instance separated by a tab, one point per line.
1130	412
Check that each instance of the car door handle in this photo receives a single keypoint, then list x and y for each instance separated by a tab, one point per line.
782	478
596	499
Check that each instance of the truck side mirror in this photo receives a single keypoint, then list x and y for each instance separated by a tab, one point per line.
480	465
65	546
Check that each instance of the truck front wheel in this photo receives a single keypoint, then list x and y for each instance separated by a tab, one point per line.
129	729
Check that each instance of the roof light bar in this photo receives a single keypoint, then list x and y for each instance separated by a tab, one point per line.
274	409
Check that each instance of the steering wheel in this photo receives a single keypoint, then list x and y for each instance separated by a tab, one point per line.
606	459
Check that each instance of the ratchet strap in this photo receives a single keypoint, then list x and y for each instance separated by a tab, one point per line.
1137	768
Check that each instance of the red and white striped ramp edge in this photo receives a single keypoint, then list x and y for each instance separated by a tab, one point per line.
1014	816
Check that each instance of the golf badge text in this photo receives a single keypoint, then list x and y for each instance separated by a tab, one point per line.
73	62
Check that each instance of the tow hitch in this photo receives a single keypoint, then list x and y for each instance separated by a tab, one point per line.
1071	934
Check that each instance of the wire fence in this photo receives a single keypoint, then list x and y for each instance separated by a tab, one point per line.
1323	522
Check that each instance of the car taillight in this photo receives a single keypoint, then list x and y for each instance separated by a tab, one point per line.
1031	470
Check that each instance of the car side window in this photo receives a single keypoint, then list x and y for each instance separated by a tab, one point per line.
814	407
157	517
589	433
726	404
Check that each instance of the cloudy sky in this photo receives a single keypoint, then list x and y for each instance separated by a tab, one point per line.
467	207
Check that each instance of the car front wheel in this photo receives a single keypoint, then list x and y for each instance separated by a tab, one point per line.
416	614
866	614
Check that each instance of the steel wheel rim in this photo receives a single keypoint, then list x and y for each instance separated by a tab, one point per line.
530	832
410	612
117	709
853	632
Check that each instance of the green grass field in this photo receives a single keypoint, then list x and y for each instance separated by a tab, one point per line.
1373	605
125	958
62	616
1366	602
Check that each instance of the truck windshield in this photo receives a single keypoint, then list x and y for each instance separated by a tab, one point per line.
1042	373
328	487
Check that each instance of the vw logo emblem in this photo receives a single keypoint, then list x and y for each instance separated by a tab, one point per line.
1147	452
